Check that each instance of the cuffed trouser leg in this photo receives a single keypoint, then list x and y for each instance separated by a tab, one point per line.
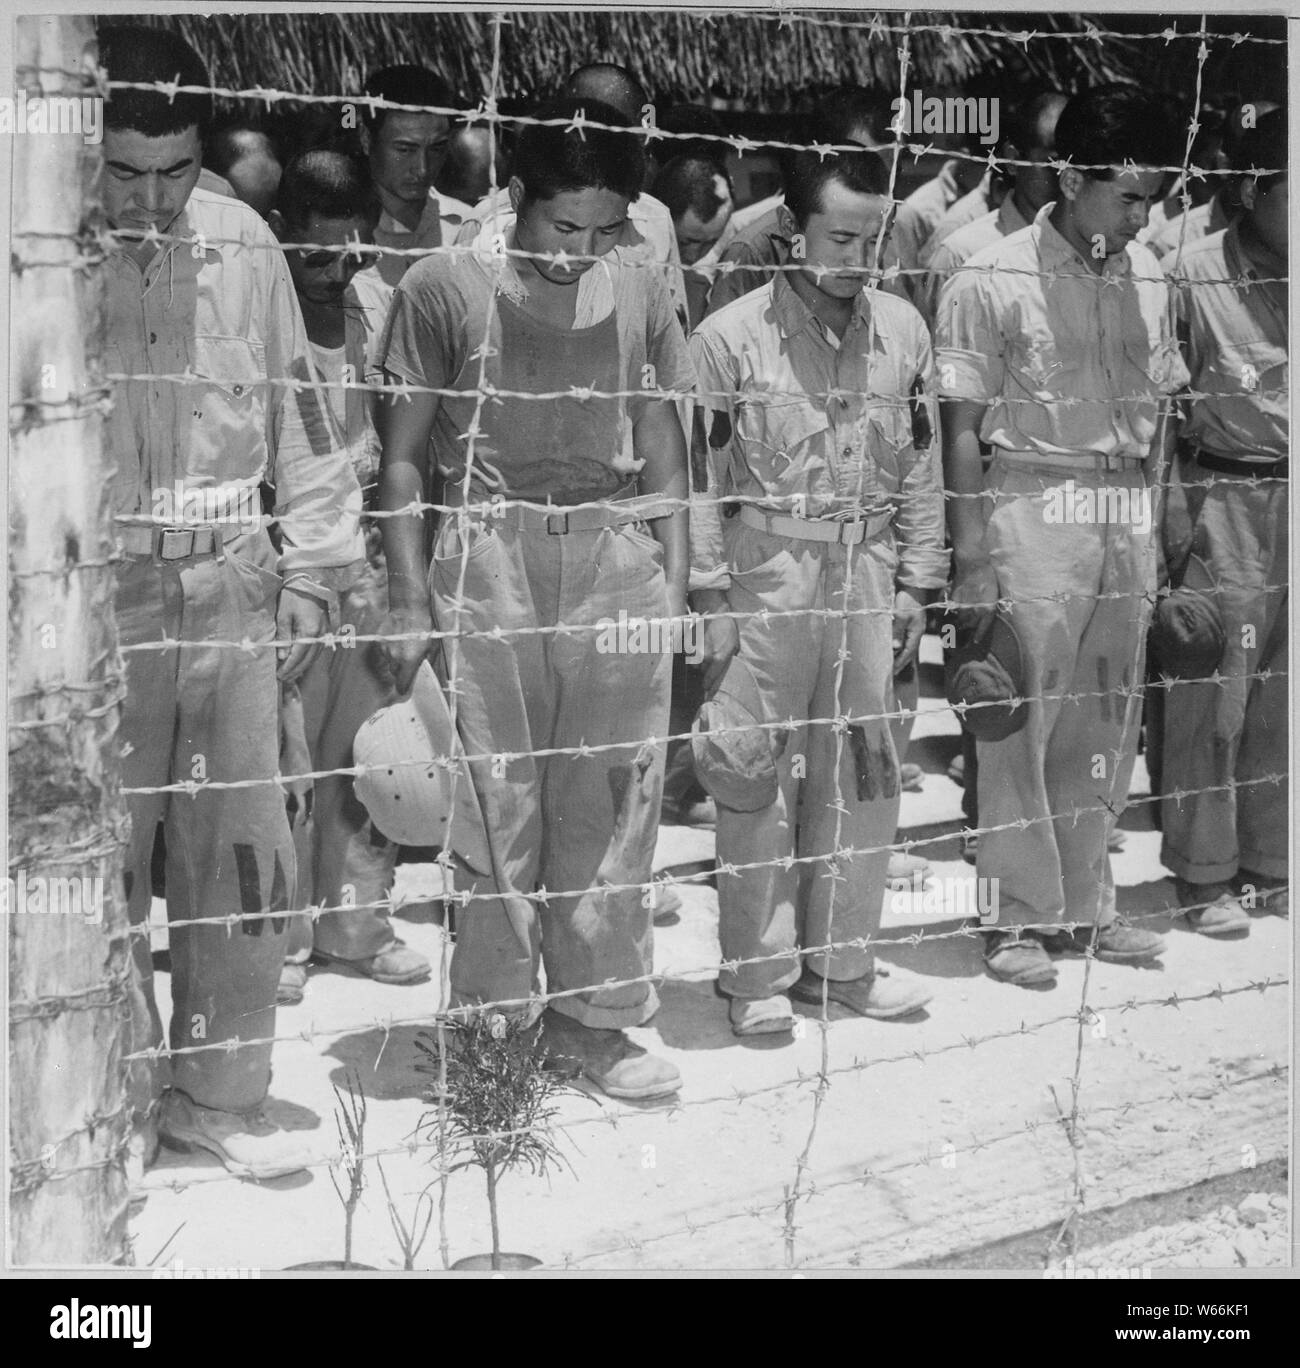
768	910
1225	734
843	898
147	604
1077	603
601	811
229	850
352	862
574	824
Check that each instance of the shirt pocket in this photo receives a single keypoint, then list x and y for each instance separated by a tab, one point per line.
1046	365
225	404
1155	363
1258	371
783	439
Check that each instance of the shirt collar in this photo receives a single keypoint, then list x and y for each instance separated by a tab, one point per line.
948	181
1056	250
1010	219
793	315
183	230
429	218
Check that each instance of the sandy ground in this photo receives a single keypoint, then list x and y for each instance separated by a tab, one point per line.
941	1133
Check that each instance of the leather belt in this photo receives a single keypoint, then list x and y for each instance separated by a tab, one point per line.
1229	465
846	533
1073	464
166	545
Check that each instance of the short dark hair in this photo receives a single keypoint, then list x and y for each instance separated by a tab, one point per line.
1265	147
408	85
865	172
221	146
132	52
611	84
689	182
1113	124
329	184
551	159
690	118
1026	117
846	109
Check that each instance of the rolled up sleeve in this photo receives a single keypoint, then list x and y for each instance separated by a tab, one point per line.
711	430
969	346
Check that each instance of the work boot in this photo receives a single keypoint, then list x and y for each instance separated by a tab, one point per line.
761	1016
608	1059
245	1142
1212	909
396	963
293	984
1117	942
1270	895
1018	959
878	995
906	871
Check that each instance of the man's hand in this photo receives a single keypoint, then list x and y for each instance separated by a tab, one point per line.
404	657
975	592
298	616
909	627
721	637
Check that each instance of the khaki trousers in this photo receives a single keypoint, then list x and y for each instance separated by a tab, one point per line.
1236	730
206	712
769	911
577	824
1080	602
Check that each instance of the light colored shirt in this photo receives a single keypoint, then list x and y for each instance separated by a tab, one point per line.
1202	220
648	235
1067	361
751	213
440	220
966	210
225	316
365	309
1168	208
792	419
214	184
1235	341
918	216
563	450
959	247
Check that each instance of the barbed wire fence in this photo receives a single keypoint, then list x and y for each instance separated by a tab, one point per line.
62	704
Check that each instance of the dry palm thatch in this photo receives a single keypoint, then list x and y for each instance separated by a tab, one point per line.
763	60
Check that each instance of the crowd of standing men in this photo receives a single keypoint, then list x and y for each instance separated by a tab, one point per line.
1043	392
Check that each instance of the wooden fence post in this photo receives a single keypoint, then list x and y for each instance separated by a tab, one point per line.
69	956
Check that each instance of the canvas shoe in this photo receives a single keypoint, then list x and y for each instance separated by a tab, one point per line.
608	1059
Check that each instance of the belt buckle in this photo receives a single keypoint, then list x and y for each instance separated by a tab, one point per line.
852	532
563	527
173	544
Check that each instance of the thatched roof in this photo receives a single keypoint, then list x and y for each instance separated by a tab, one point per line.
764	59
